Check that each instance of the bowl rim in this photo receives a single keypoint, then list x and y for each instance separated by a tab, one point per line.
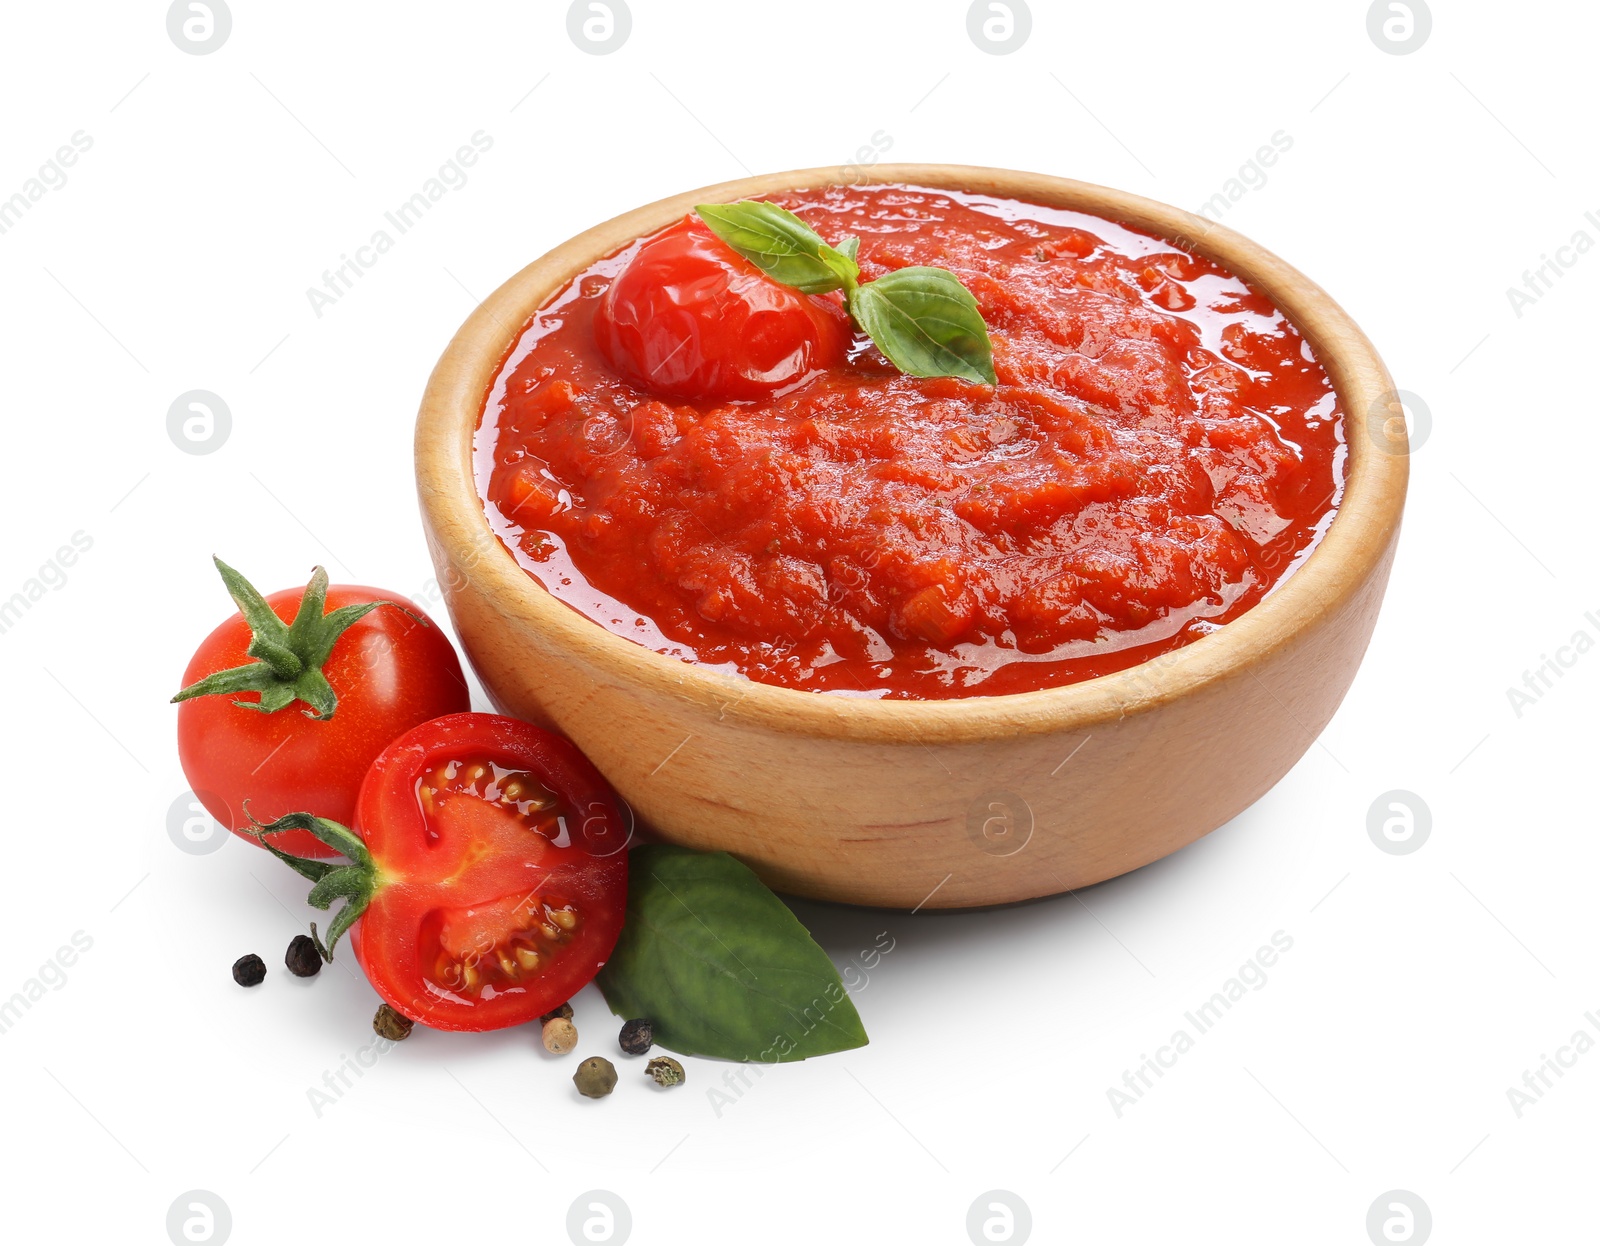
1353	546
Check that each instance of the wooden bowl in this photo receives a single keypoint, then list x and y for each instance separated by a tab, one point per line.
949	803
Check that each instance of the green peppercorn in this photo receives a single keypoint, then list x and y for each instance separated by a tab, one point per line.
637	1036
303	959
596	1077
387	1023
666	1071
564	1012
249	970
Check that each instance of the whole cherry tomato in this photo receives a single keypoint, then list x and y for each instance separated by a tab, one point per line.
363	665
691	318
488	872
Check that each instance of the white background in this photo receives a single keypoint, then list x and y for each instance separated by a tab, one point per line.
1419	987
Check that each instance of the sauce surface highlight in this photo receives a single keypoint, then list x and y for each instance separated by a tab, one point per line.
1161	451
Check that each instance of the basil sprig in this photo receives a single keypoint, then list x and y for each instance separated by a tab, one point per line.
721	966
923	319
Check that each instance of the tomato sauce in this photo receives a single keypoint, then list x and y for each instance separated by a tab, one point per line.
1161	451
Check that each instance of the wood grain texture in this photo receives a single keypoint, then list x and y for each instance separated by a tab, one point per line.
886	802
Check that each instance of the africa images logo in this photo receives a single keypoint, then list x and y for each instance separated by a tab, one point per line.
52	975
1201	1020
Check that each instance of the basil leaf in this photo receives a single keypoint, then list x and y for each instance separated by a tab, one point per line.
849	248
721	966
780	244
926	323
843	267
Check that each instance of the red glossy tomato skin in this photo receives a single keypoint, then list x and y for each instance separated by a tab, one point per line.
592	869
690	318
389	671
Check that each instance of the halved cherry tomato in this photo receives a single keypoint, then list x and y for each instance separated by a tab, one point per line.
488	876
286	704
691	318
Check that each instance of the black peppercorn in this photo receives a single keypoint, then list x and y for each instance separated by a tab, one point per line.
388	1023
637	1036
303	959
249	970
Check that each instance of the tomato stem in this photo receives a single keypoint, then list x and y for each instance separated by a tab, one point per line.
355	883
288	656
